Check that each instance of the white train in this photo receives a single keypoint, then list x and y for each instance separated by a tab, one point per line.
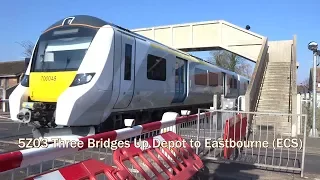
86	75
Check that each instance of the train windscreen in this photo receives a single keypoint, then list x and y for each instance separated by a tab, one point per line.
62	49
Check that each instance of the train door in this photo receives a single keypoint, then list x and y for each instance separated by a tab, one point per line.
127	72
180	80
224	84
238	85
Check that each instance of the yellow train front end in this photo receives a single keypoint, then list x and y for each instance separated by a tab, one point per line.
53	69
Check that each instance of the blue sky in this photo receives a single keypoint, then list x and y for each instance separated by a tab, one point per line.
23	20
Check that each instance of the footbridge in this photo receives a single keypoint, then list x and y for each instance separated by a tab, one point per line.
273	83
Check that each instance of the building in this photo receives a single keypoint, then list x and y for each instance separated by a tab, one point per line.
317	80
306	91
10	73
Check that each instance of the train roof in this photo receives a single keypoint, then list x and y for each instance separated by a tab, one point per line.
98	23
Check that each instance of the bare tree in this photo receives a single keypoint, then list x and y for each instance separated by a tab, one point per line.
27	52
231	61
305	83
28	48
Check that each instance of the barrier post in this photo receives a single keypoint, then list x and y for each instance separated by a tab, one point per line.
4	102
168	116
235	129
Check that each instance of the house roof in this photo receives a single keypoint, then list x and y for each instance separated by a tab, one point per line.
302	89
12	68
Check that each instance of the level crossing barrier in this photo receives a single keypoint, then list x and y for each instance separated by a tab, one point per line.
178	162
150	161
88	169
26	162
203	131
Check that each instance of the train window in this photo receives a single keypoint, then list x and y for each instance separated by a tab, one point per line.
235	83
156	68
127	65
213	79
220	79
230	82
200	77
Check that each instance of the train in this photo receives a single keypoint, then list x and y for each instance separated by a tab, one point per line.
86	75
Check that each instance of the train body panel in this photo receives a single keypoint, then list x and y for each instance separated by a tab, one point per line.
77	104
113	71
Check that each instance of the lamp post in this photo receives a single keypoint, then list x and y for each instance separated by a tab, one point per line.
313	46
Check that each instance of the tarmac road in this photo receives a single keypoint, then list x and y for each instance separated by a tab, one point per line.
9	135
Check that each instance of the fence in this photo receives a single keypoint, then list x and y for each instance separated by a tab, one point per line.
4	103
271	140
305	106
213	134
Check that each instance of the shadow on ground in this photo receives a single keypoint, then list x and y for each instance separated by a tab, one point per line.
236	171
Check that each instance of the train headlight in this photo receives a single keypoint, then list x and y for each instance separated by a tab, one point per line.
82	79
25	81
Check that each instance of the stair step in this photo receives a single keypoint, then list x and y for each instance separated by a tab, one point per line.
278	68
276	84
274	101
282	69
285	68
277	80
275	92
280	78
273	89
271	102
279	84
265	106
273	95
279	62
272	108
273	111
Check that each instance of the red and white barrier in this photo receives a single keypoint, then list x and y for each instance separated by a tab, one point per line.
186	163
4	100
26	157
88	169
33	156
235	129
